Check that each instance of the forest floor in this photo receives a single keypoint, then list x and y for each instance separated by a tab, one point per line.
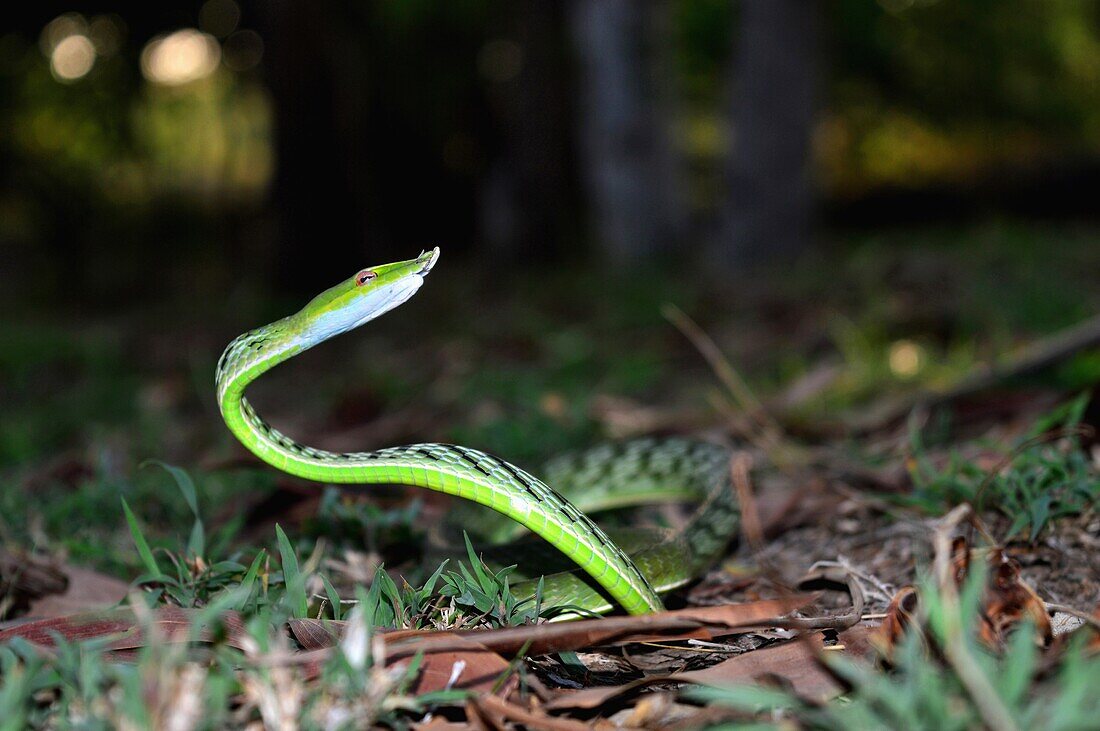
913	421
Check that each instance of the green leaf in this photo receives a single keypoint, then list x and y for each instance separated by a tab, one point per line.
392	594
196	544
488	585
572	660
183	481
293	580
1065	416
141	544
429	585
250	579
376	611
333	598
226	567
1040	514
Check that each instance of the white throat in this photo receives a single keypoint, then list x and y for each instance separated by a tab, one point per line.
364	309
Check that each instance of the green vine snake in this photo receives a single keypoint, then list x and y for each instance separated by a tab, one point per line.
631	568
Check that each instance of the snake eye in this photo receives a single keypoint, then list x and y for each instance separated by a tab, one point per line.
363	277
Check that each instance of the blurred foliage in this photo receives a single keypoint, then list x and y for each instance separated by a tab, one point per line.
923	309
947	91
71	376
922	91
131	141
1044	476
120	174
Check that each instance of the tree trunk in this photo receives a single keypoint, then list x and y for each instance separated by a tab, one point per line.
628	166
776	65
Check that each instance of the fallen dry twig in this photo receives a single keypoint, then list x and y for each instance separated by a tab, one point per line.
493	706
741	475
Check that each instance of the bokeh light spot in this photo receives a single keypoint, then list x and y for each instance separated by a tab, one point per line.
72	58
181	57
906	358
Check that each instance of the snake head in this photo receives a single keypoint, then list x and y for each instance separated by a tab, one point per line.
368	294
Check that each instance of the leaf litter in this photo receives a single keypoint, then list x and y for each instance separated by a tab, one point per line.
824	524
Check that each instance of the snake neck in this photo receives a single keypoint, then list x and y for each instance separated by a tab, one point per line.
249	356
245	359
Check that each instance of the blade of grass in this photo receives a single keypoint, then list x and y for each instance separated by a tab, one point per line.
292	578
141	544
333	598
488	585
250	579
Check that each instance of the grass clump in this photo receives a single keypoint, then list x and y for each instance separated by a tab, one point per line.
925	687
1044	476
920	694
219	675
226	684
474	596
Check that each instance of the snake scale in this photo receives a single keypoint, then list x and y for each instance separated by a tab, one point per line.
630	568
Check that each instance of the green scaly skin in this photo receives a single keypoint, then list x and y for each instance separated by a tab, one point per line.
643	467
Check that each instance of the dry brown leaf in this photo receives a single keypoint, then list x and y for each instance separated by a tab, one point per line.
960	559
695	623
87	590
1006	602
315	634
681	624
900	616
856	642
793	663
1009	601
497	709
474	668
24	578
171	624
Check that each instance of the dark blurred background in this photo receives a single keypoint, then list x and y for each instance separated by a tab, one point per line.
858	199
176	149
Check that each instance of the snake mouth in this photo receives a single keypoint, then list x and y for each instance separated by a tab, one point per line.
427	260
